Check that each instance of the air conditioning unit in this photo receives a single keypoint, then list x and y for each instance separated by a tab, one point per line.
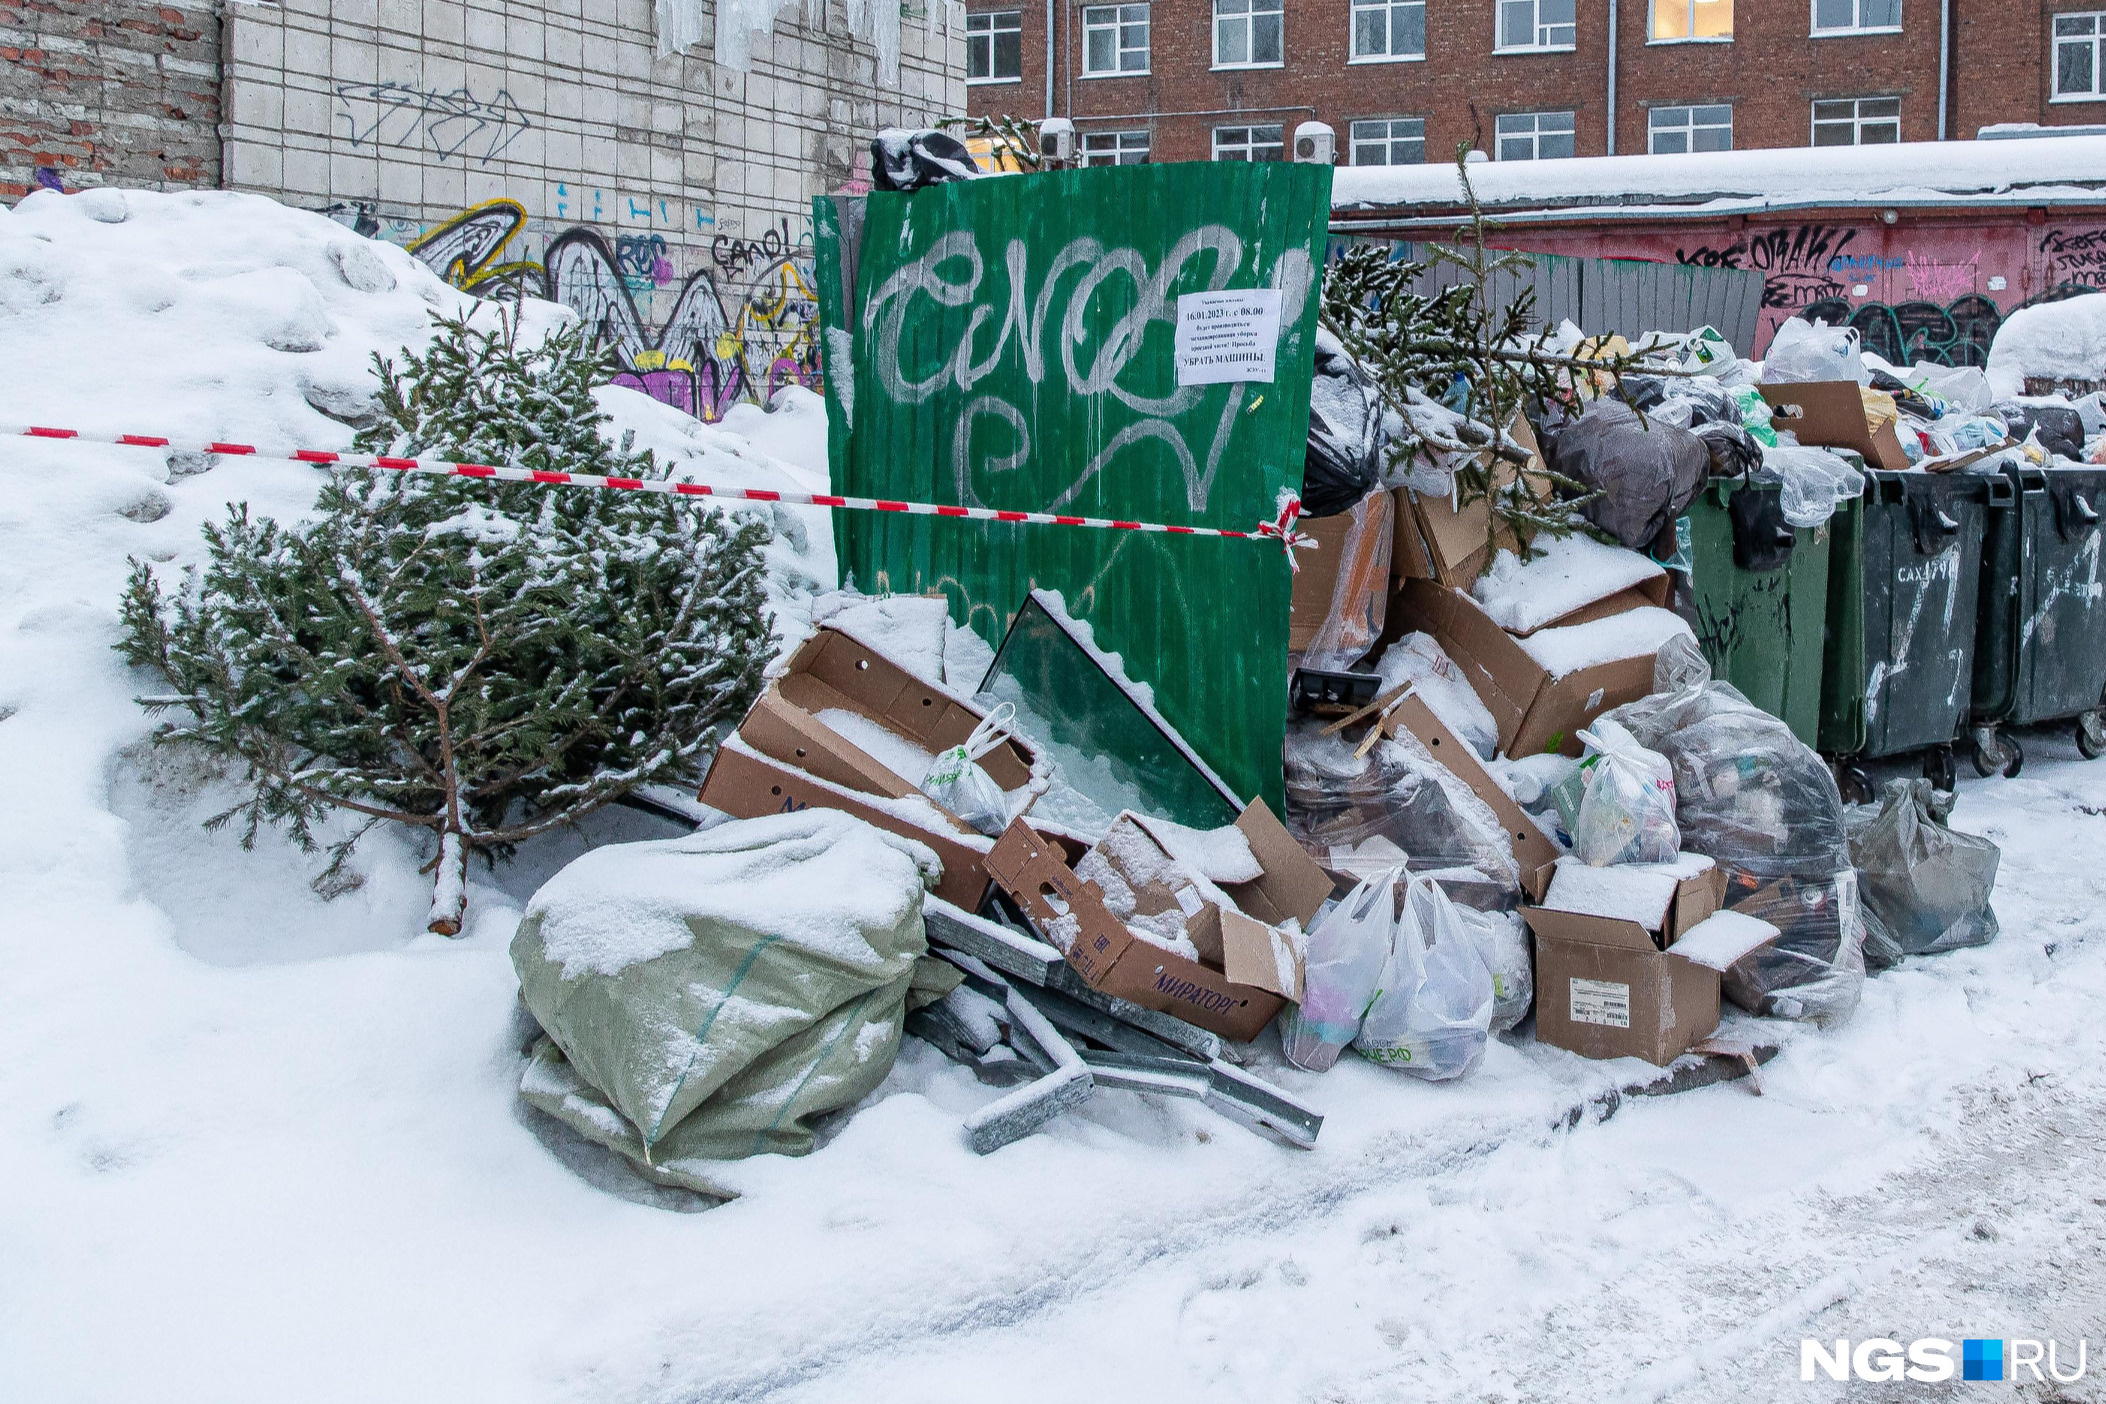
1056	141
1315	143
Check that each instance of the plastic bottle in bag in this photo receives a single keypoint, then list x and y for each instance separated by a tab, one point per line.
1502	939
1433	1015
1341	970
1627	813
956	781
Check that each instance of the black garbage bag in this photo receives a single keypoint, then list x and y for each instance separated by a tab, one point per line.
1735	453
1759	801
1345	433
904	160
2061	426
1647	475
1926	889
1907	400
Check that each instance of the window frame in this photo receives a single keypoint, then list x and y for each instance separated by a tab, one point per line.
1857	119
1652	25
1499	46
1857	9
989	34
1690	127
1252	145
1388	9
2096	39
1536	134
1118	134
1250	17
1118	27
1388	141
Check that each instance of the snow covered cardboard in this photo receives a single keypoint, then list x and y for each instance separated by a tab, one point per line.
1831	414
1237	1000
792	759
1534	853
1436	540
1537	707
1573	581
1605	987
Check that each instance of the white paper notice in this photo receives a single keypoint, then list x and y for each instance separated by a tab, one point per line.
1224	336
1606	1002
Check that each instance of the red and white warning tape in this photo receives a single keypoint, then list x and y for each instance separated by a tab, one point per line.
1281	528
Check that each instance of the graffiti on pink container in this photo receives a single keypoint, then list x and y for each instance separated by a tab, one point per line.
1933	281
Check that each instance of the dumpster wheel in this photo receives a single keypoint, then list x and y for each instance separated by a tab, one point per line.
1855	784
1995	753
2091	734
1940	769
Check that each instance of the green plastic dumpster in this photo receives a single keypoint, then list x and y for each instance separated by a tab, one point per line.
1760	591
1903	578
2040	635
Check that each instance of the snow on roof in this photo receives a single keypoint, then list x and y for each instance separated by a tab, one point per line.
2024	172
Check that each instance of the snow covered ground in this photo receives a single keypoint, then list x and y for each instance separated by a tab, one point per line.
259	1144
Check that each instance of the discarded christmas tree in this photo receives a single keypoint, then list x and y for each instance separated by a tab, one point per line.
483	661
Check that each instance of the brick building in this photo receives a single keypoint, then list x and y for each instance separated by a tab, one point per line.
1409	80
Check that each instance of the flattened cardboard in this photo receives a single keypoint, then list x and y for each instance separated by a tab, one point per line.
1533	711
1653	590
1534	853
1831	414
1437	542
747	785
1038	871
1315	585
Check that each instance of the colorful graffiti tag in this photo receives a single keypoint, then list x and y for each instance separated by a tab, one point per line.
742	338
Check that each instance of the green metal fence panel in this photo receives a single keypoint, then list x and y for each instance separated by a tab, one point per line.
1010	345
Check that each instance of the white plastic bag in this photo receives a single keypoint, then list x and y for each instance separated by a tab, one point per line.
1814	482
1803	351
956	781
1502	939
1433	1014
1627	814
1341	969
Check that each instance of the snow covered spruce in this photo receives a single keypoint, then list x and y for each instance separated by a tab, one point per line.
487	662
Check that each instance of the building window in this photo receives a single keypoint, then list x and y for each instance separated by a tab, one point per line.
1388	30
2077	56
1537	24
1855	16
1114	148
994	47
1535	136
1675	130
1247	33
1388	141
1677	20
1857	122
1114	40
1248	144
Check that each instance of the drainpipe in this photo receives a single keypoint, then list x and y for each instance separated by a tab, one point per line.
1612	77
1049	58
1944	60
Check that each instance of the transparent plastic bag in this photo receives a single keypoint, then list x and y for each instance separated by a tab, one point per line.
1339	798
1814	482
1925	888
1502	939
956	781
1803	350
1341	969
1433	1015
1627	813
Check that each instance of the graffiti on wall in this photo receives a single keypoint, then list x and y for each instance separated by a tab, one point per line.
740	330
450	124
1798	265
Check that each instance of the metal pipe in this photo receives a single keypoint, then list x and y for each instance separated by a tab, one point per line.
1612	77
1049	57
1944	60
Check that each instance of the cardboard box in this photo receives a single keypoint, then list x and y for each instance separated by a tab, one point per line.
1653	590
1437	542
748	785
1831	414
1612	988
1361	561
1534	711
1534	853
1236	1000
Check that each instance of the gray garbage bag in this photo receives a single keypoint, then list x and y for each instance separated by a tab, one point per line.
1394	803
1925	888
706	998
1763	804
1647	475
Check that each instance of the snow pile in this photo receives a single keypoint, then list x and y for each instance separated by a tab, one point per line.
2063	340
1635	633
1564	575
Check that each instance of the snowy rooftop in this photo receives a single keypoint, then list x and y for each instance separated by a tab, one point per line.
2023	172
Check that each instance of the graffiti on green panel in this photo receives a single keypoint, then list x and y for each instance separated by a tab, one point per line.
1013	348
